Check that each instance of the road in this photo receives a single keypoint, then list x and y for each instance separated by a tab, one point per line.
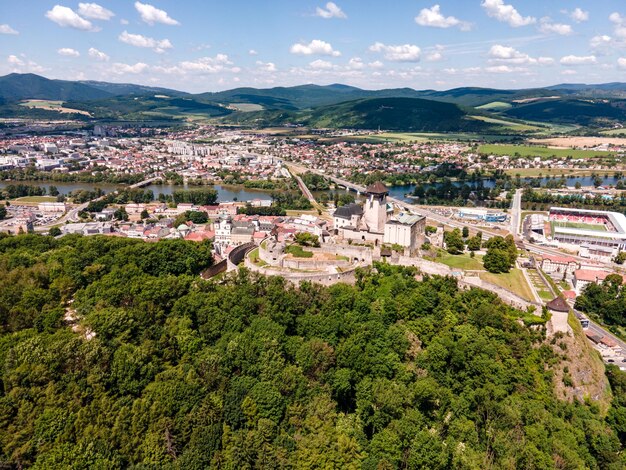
516	213
600	331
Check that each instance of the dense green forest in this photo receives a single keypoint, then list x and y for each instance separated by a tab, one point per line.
251	372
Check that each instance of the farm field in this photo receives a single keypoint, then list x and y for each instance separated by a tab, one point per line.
558	172
543	152
577	142
495	105
52	105
509	125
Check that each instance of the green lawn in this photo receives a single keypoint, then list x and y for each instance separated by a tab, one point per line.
34	199
298	252
254	257
543	152
460	261
513	281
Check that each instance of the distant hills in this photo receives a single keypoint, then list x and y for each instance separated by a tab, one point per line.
399	114
334	105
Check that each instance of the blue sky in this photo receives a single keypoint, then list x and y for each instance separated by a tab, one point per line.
213	45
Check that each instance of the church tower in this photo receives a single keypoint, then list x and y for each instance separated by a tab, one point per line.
376	207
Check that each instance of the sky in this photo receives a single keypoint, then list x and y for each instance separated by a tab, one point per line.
211	45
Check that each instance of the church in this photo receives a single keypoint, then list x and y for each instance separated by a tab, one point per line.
375	223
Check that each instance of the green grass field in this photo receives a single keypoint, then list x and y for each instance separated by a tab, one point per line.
298	252
615	132
513	281
580	225
509	125
33	199
459	261
543	152
495	106
558	172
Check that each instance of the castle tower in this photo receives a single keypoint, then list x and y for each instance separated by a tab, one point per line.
375	216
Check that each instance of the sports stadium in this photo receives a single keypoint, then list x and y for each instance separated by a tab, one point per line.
589	228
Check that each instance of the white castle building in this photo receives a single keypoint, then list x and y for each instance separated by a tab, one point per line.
375	223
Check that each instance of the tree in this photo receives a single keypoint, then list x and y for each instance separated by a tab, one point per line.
620	257
3	212
497	261
465	232
307	239
121	214
54	232
577	185
454	242
474	243
144	214
53	191
429	230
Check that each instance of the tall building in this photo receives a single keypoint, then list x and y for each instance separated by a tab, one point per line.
375	216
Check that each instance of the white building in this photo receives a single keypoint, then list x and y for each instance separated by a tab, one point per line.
52	207
405	230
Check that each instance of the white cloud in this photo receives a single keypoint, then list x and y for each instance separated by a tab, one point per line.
506	13
546	26
94	11
579	15
98	55
398	53
6	29
432	17
137	40
216	64
601	44
355	63
435	54
331	11
504	69
120	68
23	65
316	46
621	62
266	66
320	64
66	17
509	55
620	25
252	52
151	15
569	72
68	51
578	60
377	64
123	21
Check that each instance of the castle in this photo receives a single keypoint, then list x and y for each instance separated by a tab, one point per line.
375	223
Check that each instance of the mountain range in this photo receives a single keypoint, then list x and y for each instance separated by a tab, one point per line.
333	105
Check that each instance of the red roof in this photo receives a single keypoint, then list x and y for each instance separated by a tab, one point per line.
590	275
569	294
560	259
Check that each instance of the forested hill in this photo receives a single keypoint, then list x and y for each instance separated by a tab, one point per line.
252	373
408	114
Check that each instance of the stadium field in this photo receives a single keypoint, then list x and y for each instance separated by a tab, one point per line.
580	225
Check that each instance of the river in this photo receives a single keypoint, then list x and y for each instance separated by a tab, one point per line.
227	193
